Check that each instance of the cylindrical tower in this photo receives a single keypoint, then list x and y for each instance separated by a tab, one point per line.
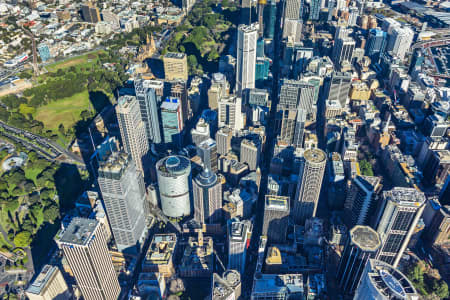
174	177
207	191
310	182
362	244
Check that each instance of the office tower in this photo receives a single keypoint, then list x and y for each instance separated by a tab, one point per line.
132	130
219	88
279	286
246	58
362	244
337	87
226	287
223	140
172	121
250	153
376	44
230	113
207	150
299	131
262	69
261	4
400	41
383	281
159	256
314	10
310	182
85	248
439	229
123	193
178	89
276	218
396	221
198	257
187	5
201	132
148	103
337	182
90	13
48	285
207	192
239	234
437	167
292	30
297	94
360	203
174	181
343	50
175	66
293	9
301	59
246	12
270	19
259	97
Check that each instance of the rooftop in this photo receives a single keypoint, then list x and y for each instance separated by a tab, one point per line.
175	55
277	202
174	165
405	196
365	238
315	155
161	249
79	231
42	279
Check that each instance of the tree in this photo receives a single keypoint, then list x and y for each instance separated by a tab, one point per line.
61	129
22	239
440	288
51	213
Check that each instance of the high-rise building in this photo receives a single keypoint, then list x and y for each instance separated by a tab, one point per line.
376	44
383	281
160	253
172	121
297	93
201	132
207	192
399	41
246	57
174	181
148	103
250	153
246	12
310	182
292	30
397	219
123	193
230	113
270	18
90	13
362	244
361	202
239	235
337	87
178	89
48	285
314	10
259	97
226	287
175	66
299	131
276	218
219	88
207	150
187	5
293	9
343	50
132	130
439	229
85	248
223	140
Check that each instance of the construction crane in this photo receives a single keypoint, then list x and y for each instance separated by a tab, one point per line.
33	41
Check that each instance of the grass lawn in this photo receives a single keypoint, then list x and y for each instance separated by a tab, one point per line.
32	173
66	111
81	61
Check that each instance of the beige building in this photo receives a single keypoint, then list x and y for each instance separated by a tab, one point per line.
159	257
48	285
175	66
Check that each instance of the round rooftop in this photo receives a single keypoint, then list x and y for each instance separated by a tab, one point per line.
365	238
174	165
315	155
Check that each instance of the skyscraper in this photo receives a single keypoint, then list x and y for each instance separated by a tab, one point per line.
90	13
399	41
383	281
123	193
207	192
201	132
172	121
293	9
132	130
246	57
292	30
239	235
148	103
245	13
174	181
309	185
338	86
376	44
175	66
270	18
223	140
276	218
219	88
343	50
250	153
230	112
360	202
48	285
397	219
362	244
85	248
299	131
314	10
207	150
